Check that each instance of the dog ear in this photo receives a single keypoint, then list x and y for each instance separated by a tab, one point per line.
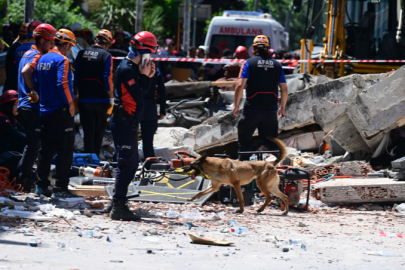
203	157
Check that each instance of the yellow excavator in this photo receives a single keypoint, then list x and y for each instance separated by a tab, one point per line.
353	30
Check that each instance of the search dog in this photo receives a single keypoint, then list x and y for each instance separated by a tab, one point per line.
237	173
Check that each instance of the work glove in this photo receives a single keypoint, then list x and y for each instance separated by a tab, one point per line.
109	111
33	97
76	101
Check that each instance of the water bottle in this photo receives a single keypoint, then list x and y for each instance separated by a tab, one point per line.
239	230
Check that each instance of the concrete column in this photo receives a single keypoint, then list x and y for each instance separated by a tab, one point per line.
139	11
186	25
29	11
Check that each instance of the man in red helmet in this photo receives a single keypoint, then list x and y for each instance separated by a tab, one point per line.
94	90
28	107
118	42
88	36
54	80
132	80
11	66
241	53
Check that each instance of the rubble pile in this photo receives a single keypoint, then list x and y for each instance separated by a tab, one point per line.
351	168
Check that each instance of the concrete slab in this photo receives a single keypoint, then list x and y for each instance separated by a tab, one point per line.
360	190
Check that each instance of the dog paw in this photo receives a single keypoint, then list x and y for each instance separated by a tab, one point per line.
239	211
259	210
190	200
285	213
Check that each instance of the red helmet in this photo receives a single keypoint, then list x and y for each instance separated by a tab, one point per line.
32	26
119	31
241	51
145	41
9	95
88	32
45	31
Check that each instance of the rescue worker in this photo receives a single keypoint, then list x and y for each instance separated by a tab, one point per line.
11	67
241	53
262	75
20	51
94	90
118	43
28	106
149	118
12	136
132	80
54	81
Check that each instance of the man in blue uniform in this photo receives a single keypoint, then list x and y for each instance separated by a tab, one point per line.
262	75
28	107
54	83
29	42
149	119
94	90
132	80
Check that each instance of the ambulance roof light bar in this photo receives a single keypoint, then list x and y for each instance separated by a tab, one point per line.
246	14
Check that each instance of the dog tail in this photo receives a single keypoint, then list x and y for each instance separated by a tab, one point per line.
283	150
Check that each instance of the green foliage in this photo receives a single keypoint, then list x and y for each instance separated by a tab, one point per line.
153	21
278	9
115	14
56	13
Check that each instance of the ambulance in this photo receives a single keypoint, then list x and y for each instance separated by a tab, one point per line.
239	28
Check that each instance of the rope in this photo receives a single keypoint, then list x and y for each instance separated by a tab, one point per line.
177	135
5	183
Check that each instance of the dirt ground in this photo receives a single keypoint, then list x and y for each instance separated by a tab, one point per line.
335	238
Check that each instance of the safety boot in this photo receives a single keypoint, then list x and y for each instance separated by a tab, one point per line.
42	191
108	207
62	193
122	212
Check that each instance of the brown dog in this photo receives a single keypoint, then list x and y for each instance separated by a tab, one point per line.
237	173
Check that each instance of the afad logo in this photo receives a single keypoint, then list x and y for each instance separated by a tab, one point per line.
241	31
44	66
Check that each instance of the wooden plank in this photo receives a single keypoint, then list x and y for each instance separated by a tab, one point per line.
223	83
88	192
90	187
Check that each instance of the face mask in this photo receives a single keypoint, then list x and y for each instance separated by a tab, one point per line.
132	54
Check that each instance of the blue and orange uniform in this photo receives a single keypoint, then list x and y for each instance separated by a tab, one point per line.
53	80
20	51
12	136
94	79
130	86
263	75
149	119
28	114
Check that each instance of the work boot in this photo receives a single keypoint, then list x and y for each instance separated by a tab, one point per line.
63	193
122	212
108	207
26	183
41	191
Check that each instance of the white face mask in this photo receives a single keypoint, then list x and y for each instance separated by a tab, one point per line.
145	59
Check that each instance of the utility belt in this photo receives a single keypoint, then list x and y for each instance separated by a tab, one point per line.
119	112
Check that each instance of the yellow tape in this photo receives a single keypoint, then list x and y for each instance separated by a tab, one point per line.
165	194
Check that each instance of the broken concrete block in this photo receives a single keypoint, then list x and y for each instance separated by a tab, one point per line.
381	107
215	129
306	141
360	190
186	89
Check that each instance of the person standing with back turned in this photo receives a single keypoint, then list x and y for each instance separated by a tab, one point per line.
94	90
55	86
262	75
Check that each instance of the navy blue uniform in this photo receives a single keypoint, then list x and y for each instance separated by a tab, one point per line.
128	97
11	68
149	119
93	77
12	136
261	105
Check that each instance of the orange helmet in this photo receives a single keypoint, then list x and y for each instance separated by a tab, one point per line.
45	31
24	29
261	40
105	34
66	36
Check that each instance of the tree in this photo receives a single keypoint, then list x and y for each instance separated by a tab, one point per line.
115	14
278	10
153	21
56	13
